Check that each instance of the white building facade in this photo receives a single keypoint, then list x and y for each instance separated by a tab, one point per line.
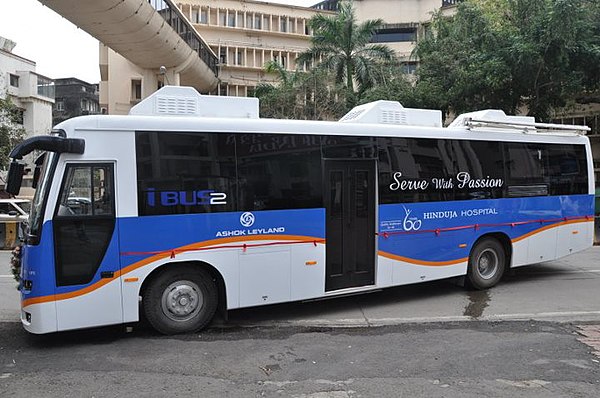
32	93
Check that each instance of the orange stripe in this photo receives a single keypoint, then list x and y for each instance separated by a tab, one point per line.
65	296
547	227
156	257
422	262
216	242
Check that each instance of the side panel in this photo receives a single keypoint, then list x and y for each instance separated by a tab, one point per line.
425	241
289	243
265	275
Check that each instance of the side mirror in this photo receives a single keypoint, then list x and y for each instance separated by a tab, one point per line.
15	177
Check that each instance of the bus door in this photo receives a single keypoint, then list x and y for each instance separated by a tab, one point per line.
86	252
350	223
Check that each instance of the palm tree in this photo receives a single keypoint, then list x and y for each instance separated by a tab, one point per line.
343	46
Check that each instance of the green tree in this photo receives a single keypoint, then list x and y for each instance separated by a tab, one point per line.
342	45
299	95
508	54
11	133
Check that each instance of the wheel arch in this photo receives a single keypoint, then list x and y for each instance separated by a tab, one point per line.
214	273
504	241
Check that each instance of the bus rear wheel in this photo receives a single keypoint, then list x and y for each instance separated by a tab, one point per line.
181	300
487	263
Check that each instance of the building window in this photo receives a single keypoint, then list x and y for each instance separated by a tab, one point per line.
257	21
231	19
222	18
248	21
409	68
60	105
14	80
18	116
203	16
223	55
393	35
136	90
240	57
223	89
266	22
45	87
283	24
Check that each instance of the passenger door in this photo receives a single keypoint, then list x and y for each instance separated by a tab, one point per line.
86	249
350	223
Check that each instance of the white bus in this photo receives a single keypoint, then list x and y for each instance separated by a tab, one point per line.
192	203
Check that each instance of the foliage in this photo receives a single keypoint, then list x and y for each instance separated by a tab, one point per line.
342	46
300	95
511	53
11	133
15	263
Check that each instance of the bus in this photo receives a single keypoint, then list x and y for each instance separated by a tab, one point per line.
192	204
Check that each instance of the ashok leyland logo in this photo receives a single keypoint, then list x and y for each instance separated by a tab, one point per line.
247	219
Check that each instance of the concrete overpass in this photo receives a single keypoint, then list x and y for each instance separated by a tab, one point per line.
149	33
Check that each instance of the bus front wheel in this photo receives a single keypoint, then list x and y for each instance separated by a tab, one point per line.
181	300
486	264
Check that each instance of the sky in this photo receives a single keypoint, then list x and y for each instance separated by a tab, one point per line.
58	47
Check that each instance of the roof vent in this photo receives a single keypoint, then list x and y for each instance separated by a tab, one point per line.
186	101
391	112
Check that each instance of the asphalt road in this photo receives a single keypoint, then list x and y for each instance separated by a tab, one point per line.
561	290
537	334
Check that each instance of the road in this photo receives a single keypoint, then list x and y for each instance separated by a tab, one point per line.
563	290
537	334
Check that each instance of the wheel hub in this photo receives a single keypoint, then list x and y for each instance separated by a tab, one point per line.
182	300
487	263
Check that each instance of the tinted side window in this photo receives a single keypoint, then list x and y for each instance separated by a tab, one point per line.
343	147
479	170
279	171
526	163
180	173
414	170
567	169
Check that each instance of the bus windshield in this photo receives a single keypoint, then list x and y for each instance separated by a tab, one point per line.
40	198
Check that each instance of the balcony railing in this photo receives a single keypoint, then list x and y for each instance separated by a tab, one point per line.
186	31
449	3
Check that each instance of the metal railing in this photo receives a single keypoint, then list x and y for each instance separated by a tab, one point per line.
448	3
169	11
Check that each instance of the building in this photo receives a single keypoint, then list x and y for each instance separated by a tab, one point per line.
244	34
32	93
74	97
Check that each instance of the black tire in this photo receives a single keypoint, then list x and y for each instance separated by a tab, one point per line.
487	263
180	300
